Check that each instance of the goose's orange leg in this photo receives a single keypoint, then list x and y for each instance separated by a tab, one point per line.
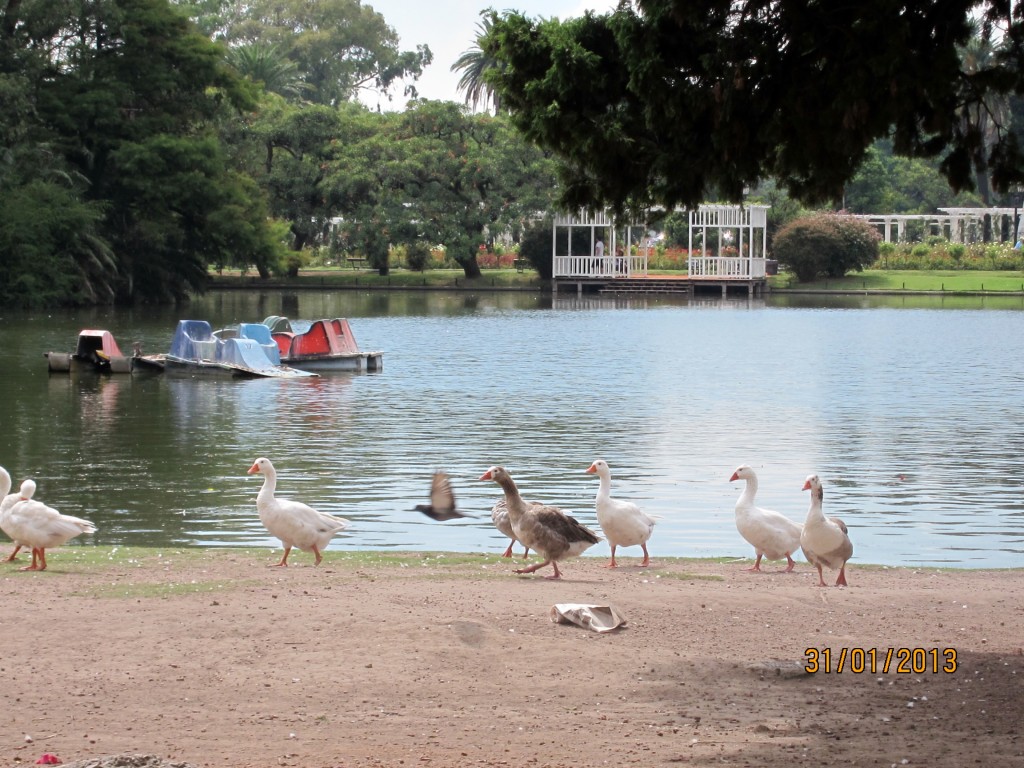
37	554
821	579
284	560
612	564
538	566
557	574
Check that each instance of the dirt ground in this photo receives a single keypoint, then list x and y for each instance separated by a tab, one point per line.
210	658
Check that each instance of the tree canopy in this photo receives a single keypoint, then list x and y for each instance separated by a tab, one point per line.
438	175
668	101
340	47
114	104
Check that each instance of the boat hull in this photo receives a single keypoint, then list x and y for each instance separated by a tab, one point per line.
180	365
361	361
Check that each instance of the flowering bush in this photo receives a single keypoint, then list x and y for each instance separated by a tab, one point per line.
826	244
488	260
943	254
669	258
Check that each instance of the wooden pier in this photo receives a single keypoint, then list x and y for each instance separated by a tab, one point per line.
664	284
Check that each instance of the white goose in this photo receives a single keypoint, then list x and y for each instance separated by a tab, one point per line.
623	523
33	524
294	523
499	516
8	500
824	539
772	535
540	527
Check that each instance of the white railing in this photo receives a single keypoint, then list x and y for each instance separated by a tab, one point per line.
599	266
730	216
727	267
585	218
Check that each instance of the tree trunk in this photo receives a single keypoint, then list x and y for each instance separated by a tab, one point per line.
979	159
470	267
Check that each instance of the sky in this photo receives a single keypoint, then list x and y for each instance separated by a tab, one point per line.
449	27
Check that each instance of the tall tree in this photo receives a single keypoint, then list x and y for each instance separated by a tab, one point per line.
129	99
340	47
467	176
51	249
438	175
294	152
663	100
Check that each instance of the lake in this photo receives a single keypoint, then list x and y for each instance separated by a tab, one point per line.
908	409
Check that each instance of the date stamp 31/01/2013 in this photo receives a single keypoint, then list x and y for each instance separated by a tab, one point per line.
871	661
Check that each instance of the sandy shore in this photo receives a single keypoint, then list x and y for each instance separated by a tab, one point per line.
211	658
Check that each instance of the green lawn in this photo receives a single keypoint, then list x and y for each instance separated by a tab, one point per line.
951	281
956	281
399	278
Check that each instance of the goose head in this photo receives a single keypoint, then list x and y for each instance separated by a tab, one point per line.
262	466
28	489
501	476
813	484
743	472
494	473
599	467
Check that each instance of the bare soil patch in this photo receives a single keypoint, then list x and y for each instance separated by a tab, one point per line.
210	658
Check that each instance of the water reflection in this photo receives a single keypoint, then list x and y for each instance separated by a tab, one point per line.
907	408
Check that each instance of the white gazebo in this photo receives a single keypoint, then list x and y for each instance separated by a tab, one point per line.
742	241
610	249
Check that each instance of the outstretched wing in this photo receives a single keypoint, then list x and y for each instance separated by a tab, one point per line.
442	497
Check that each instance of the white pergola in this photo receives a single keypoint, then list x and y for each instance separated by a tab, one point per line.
743	227
615	236
958	225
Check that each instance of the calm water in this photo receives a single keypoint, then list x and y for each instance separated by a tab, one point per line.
673	394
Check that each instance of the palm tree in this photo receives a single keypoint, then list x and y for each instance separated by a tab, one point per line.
266	64
985	115
474	63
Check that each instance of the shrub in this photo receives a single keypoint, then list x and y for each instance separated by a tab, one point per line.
826	244
293	262
535	247
417	255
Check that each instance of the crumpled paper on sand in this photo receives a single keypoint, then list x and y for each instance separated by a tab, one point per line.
599	618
